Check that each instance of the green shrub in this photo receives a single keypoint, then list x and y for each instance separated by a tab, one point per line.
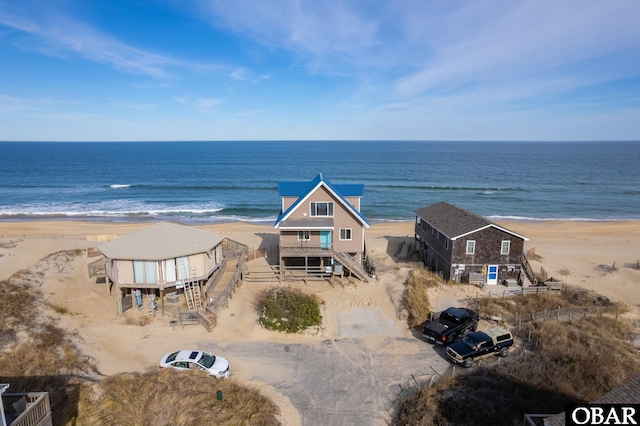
288	310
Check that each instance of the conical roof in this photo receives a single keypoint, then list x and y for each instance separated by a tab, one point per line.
163	240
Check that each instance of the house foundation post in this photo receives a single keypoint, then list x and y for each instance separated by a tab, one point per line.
120	309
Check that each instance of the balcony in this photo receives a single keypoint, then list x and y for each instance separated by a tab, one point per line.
306	249
27	409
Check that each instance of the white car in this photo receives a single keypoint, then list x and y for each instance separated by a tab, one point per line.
197	360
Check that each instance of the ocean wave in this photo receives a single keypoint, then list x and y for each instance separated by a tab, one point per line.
437	188
111	208
548	219
117	185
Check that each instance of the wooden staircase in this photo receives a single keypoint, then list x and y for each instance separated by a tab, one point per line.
348	262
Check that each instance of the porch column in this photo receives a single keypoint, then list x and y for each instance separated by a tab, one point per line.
120	309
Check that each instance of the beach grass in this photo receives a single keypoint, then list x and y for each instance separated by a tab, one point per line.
416	299
553	364
38	355
173	397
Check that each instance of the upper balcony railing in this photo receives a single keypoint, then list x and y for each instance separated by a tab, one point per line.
306	248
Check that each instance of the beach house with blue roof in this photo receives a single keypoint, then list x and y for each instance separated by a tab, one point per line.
321	228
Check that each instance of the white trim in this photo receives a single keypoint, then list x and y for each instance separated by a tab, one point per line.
466	249
304	239
333	209
302	228
336	196
491	225
350	234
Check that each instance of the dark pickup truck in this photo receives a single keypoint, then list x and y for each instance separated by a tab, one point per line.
451	323
496	340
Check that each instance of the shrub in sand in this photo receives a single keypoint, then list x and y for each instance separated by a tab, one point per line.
289	310
416	300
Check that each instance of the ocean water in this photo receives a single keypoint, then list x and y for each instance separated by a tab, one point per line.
208	182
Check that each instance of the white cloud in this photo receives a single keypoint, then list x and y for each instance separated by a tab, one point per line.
206	104
134	106
239	74
54	33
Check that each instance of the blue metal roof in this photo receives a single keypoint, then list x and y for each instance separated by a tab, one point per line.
302	189
298	189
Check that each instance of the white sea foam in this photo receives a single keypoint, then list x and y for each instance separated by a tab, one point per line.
545	219
112	208
117	185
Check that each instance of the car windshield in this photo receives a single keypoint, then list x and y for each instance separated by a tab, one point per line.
207	360
470	341
448	317
172	356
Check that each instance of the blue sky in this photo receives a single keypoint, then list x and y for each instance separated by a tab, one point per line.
315	70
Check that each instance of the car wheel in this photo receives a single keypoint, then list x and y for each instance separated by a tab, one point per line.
504	352
467	363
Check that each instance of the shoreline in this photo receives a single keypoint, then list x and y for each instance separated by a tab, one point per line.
258	221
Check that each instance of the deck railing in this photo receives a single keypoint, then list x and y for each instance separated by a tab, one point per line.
306	248
36	413
527	269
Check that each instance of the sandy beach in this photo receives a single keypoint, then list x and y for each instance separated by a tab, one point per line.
598	256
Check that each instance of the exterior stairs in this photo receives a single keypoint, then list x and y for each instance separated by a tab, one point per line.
348	262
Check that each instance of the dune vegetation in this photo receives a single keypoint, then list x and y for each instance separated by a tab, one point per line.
553	363
37	355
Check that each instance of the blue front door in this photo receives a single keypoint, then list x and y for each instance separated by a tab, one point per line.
325	239
492	275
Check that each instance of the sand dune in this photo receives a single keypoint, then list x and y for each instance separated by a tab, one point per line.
578	253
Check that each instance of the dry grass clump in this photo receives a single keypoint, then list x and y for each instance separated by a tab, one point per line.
36	354
486	398
584	359
17	305
171	397
563	363
570	297
139	321
416	299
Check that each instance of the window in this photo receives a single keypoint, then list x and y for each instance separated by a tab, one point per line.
471	247
446	244
345	234
503	337
322	209
304	235
506	245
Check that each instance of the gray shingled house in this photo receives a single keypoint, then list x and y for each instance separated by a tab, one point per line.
463	246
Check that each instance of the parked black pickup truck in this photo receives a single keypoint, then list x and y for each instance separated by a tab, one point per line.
496	340
451	323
